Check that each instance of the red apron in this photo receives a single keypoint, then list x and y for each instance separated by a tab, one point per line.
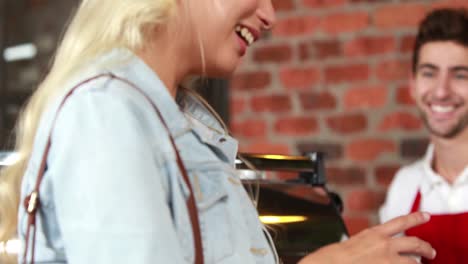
447	233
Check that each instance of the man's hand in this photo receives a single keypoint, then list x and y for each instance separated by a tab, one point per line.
377	245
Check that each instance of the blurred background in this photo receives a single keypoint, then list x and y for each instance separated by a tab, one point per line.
331	77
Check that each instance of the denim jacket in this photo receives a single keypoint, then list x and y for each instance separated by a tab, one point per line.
112	192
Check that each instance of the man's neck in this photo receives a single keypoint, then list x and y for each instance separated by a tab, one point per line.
450	156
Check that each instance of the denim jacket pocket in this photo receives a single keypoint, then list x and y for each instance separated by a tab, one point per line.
211	195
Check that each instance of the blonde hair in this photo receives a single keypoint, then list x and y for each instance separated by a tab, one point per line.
98	26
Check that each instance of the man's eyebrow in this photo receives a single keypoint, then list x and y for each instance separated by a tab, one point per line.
459	68
427	66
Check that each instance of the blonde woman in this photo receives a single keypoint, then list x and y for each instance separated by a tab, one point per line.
113	189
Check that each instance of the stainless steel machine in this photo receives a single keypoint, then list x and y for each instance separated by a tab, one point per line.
303	215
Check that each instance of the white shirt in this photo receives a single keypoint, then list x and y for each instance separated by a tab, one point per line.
437	195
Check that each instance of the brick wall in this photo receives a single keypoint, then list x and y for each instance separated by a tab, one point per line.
332	77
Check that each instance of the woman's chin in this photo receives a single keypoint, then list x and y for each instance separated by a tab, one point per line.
221	72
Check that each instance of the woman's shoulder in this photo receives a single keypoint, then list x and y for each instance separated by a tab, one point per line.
100	106
109	103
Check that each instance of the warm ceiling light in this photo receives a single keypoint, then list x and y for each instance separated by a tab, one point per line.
282	219
24	51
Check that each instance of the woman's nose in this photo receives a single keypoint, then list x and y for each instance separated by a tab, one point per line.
266	14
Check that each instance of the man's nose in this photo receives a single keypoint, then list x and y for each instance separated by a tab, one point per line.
442	89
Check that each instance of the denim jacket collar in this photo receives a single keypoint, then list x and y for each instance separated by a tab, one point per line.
188	115
143	76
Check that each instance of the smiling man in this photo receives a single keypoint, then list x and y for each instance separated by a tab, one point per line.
438	183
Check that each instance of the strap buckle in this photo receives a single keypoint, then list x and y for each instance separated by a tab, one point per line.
32	202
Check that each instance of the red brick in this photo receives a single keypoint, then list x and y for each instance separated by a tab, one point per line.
384	174
403	96
450	3
273	53
400	121
322	3
251	128
251	81
399	16
320	49
368	149
317	100
370	97
367	46
345	22
346	175
237	105
347	73
299	77
369	1
271	103
407	44
347	123
283	5
393	70
292	26
270	175
286	175
266	147
356	224
296	126
364	200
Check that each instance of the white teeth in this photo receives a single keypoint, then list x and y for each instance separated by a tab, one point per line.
442	109
245	34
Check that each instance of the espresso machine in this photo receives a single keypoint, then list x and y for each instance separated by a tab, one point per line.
301	214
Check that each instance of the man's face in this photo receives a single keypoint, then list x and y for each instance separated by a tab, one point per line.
440	87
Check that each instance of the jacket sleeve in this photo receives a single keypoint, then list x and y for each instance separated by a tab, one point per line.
108	186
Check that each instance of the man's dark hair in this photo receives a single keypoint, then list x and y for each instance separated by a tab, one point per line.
447	24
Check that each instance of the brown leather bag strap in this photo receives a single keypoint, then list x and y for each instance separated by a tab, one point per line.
32	201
